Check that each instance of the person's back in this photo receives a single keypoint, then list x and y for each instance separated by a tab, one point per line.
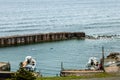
92	63
29	63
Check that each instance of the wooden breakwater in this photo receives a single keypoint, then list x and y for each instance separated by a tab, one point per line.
5	74
78	72
65	73
36	38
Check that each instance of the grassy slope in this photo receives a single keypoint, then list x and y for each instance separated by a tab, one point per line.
99	75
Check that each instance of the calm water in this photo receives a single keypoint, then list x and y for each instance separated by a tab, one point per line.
19	17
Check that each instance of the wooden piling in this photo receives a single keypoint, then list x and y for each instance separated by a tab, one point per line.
36	38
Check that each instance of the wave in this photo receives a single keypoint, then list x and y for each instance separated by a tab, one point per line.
105	23
19	30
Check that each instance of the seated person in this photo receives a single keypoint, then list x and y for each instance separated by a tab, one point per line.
29	63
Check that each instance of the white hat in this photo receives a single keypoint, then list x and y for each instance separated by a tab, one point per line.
28	57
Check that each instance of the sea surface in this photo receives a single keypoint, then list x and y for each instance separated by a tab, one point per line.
94	17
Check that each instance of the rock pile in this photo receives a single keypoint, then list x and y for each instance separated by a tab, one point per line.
114	55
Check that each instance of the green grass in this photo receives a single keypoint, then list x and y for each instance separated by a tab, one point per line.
99	75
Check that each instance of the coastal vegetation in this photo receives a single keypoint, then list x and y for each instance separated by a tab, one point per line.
23	74
99	75
26	75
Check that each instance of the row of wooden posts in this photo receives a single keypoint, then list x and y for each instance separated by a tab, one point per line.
36	38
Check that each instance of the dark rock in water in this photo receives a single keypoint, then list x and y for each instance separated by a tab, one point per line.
51	48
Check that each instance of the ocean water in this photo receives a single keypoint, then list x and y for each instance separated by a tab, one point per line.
43	16
94	17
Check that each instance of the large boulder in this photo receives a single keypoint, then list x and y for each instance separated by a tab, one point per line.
5	66
114	55
112	62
